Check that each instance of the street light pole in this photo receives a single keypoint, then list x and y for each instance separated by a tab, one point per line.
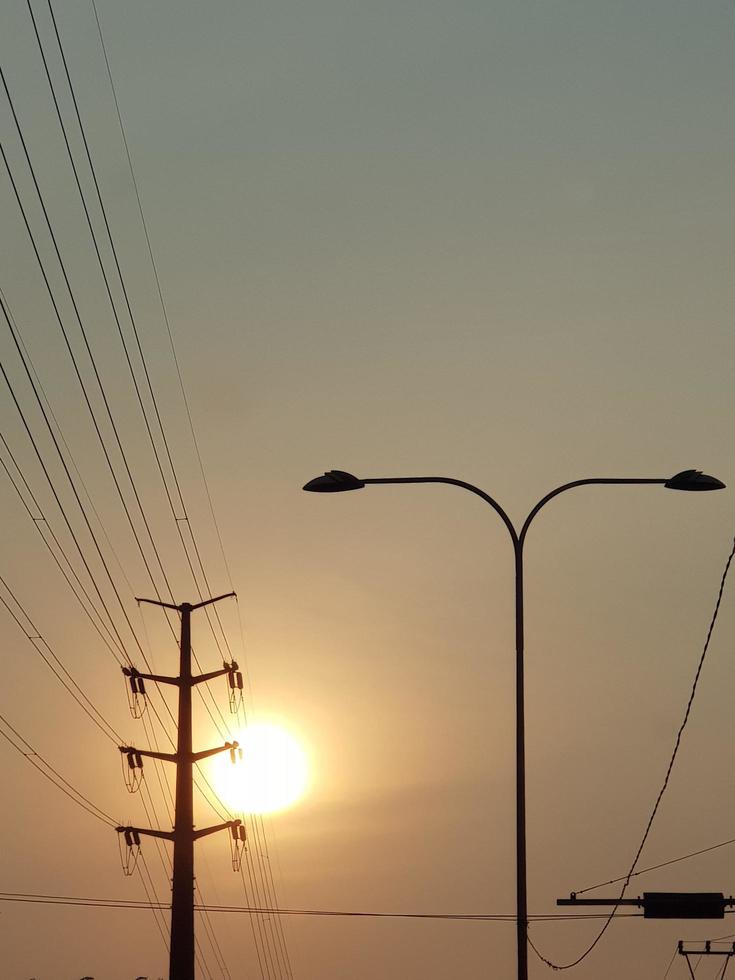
336	481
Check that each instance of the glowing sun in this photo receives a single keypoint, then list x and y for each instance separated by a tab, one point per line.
271	775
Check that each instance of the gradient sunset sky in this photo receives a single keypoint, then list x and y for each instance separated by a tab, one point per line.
483	240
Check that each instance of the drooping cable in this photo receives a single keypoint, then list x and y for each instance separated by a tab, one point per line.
664	785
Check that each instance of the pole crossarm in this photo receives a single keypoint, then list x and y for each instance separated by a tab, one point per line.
157	602
227	669
164	756
157	678
206	831
190	606
198	756
208	602
163	834
705	949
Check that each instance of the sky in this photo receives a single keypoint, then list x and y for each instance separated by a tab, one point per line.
489	241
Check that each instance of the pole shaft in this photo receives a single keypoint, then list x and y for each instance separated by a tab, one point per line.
182	907
521	893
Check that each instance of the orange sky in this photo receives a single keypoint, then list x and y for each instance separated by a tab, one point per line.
485	241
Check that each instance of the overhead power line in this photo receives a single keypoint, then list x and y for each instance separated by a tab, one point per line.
124	903
664	785
24	748
57	667
655	867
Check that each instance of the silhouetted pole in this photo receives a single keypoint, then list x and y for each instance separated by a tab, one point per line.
181	962
182	900
336	481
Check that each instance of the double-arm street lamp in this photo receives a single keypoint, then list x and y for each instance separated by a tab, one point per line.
337	481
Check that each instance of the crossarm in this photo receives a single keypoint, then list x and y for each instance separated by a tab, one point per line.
198	756
213	830
163	834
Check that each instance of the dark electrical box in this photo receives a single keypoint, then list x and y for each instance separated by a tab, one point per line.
683	905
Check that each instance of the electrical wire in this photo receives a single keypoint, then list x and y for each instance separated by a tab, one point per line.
53	775
52	486
177	520
113	306
328	913
655	867
281	938
70	685
664	785
194	542
154	903
212	938
159	289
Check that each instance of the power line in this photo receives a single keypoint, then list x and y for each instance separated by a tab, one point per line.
655	867
53	775
89	351
654	811
108	290
51	482
71	686
136	334
329	913
281	938
122	338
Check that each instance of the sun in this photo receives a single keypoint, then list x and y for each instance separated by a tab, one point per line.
271	775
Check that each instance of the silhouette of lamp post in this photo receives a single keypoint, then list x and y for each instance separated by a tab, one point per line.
337	481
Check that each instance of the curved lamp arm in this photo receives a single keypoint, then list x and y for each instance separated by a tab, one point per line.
577	483
457	483
336	481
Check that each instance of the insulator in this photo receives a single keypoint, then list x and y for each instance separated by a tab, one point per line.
141	686
241	833
138	759
239	754
238	678
128	837
234	829
133	683
126	671
131	760
233	757
136	838
231	679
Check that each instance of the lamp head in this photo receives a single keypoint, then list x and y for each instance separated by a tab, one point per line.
694	480
335	481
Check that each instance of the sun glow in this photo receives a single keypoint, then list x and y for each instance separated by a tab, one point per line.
271	775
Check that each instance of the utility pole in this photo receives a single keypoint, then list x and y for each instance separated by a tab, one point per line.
708	947
181	963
